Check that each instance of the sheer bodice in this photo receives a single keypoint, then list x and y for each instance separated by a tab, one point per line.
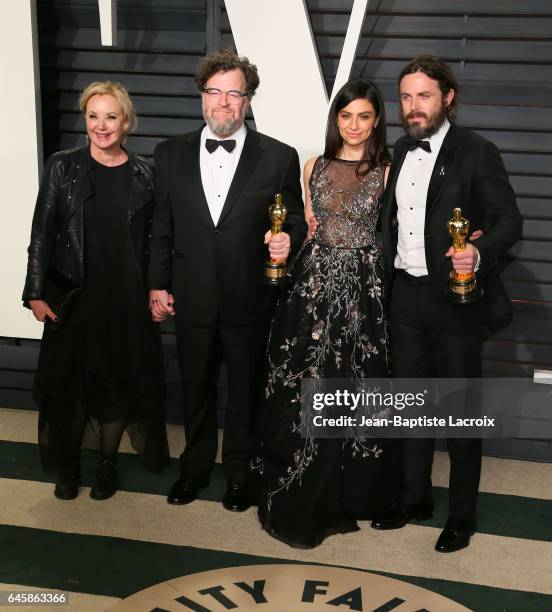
345	206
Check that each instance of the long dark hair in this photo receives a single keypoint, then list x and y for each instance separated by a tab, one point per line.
375	148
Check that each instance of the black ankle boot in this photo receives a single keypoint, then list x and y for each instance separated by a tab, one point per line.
105	482
67	483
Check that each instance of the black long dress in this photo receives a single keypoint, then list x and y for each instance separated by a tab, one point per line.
330	323
106	356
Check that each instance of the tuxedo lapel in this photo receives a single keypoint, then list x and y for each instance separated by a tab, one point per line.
396	168
189	170
442	170
249	158
390	200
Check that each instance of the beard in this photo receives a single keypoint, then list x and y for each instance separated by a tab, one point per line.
434	122
225	128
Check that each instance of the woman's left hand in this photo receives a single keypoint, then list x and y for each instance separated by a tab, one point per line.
313	226
42	311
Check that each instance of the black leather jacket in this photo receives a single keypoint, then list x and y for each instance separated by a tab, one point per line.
56	248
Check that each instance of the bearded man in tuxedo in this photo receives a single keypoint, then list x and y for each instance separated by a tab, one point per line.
210	234
436	167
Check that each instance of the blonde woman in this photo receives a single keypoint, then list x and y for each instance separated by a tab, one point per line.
100	359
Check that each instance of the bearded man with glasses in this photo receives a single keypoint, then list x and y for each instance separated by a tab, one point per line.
209	238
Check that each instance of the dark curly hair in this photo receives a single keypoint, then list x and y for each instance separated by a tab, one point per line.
224	61
437	70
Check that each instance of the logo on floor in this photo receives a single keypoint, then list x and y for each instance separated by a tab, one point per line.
284	587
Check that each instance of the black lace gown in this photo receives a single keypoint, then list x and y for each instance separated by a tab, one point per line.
106	357
330	323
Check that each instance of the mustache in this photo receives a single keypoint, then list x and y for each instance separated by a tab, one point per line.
416	115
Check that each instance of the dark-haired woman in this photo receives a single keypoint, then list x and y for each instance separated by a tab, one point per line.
330	323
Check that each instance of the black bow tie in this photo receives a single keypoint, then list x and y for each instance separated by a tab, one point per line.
212	145
414	143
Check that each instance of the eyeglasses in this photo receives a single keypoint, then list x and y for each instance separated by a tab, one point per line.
233	94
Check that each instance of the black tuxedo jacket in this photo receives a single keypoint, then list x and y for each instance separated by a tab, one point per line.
468	173
217	271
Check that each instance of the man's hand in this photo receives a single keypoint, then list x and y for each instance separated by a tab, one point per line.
279	245
464	261
161	304
41	311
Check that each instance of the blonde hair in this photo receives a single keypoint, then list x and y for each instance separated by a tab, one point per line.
118	91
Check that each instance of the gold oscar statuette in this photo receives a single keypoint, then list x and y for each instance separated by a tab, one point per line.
275	269
463	287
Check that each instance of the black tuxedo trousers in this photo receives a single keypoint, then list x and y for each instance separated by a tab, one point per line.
201	349
420	348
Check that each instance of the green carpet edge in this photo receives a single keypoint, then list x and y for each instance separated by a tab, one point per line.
498	514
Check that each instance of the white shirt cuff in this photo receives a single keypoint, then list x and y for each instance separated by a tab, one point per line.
478	262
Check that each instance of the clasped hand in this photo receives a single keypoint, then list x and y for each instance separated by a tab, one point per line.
161	304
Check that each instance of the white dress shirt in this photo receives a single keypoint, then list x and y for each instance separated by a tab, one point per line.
411	194
218	168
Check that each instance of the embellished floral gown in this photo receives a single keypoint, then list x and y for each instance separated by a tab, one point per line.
330	323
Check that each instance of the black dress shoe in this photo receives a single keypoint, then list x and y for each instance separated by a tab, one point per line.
67	483
455	536
105	482
185	490
236	498
401	515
